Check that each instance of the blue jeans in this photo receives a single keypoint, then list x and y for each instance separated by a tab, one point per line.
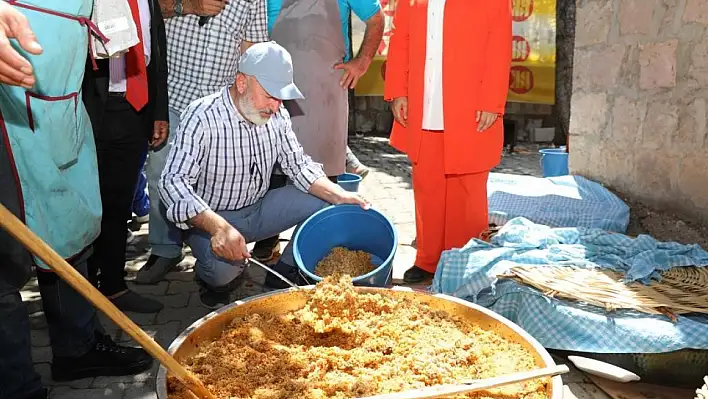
164	237
279	210
72	326
141	201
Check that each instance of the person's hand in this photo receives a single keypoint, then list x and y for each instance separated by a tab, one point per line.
485	120
204	8
160	132
353	70
229	244
15	69
348	197
399	107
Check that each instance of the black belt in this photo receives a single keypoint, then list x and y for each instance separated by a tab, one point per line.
116	94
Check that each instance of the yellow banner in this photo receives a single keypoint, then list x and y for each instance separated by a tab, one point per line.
533	60
533	72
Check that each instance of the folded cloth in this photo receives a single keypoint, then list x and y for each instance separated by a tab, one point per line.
115	20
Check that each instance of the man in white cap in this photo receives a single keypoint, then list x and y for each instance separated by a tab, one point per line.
215	183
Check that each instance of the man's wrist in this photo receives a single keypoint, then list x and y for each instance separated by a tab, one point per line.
365	58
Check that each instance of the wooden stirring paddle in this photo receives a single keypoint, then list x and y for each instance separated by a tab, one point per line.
39	248
440	391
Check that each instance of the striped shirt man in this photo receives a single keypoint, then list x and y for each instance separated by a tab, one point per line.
221	161
202	59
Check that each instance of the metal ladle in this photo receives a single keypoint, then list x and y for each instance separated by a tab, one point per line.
276	274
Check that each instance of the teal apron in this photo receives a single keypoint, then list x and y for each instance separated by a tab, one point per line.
48	133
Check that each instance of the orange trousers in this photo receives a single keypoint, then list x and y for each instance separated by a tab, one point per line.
449	209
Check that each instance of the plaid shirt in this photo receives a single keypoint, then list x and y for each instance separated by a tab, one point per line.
203	59
220	161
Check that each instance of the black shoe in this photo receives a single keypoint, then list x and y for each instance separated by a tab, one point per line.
416	275
292	273
131	301
266	250
213	299
106	358
41	394
156	268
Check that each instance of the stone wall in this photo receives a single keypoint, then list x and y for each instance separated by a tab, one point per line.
370	116
565	44
638	113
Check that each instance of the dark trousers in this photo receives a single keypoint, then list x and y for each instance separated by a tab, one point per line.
72	326
121	140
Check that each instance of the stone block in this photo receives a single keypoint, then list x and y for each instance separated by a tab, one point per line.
41	354
364	123
172	301
597	67
361	103
589	114
659	125
696	11
627	117
619	166
698	69
671	18
40	337
182	287
690	136
654	172
384	121
691	182
657	63
37	320
636	16
121	383
377	103
594	19
585	156
143	392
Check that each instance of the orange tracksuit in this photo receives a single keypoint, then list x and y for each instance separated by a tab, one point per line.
450	168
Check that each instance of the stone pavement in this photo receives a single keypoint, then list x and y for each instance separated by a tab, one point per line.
388	187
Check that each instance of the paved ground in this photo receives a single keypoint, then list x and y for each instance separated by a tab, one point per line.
388	187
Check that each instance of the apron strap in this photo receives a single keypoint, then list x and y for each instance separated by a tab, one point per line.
91	28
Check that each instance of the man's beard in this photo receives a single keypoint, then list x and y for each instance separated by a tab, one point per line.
252	114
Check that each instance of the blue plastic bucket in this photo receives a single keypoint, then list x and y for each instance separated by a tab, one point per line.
349	181
554	162
351	227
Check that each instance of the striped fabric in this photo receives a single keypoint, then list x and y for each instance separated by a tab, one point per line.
220	161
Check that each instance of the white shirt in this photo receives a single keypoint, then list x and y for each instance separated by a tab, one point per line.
118	81
433	88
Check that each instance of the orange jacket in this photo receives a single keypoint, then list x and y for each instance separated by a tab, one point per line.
476	63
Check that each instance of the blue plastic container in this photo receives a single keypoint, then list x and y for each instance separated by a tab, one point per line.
554	162
349	181
351	227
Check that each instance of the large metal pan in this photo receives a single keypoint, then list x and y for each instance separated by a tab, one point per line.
211	326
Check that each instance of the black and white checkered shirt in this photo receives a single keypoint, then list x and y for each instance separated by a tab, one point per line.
202	59
220	161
